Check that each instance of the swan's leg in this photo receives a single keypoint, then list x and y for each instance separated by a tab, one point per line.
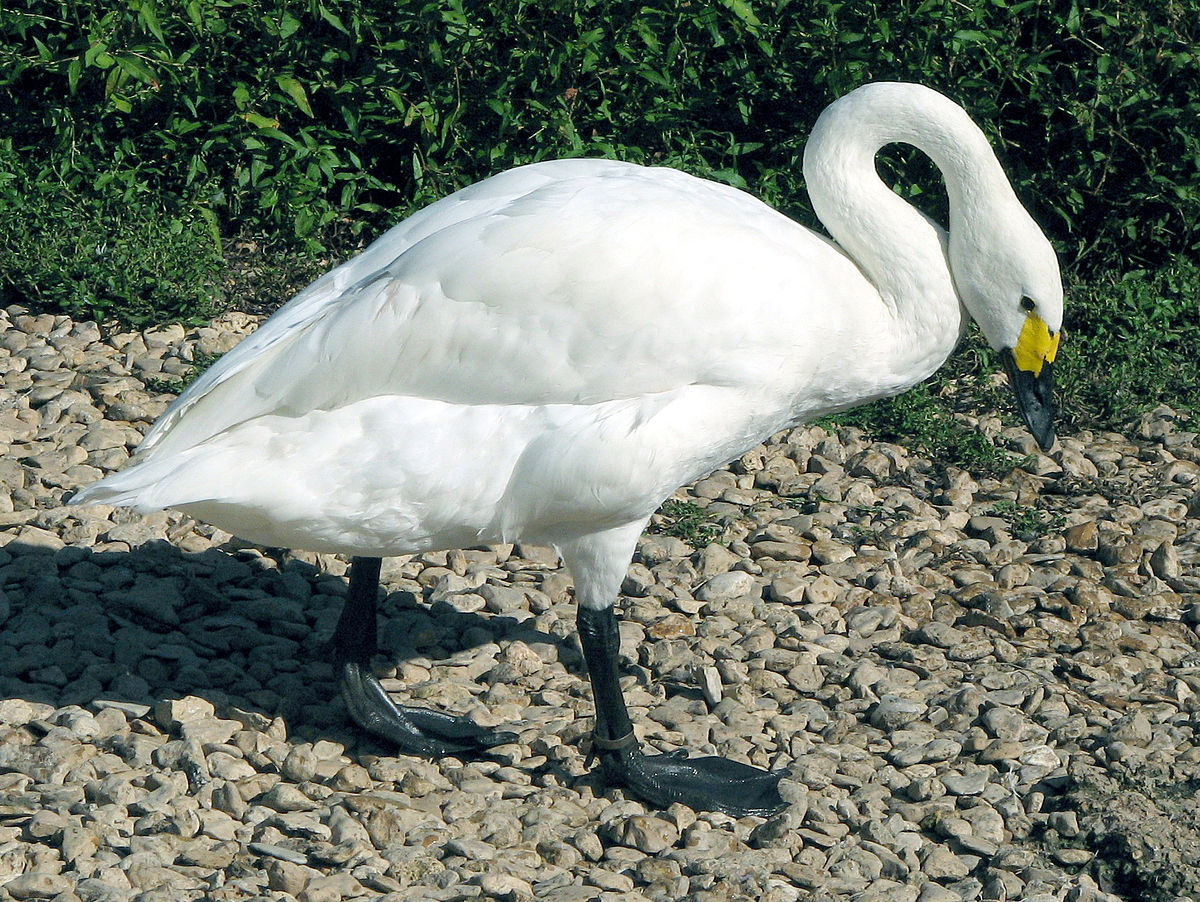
701	783
417	731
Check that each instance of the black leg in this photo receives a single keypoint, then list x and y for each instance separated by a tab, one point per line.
702	783
355	638
601	640
417	731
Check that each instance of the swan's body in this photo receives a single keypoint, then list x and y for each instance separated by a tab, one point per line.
539	318
549	353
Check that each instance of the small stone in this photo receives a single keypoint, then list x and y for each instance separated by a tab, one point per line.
939	863
288	876
45	825
823	589
1073	858
970	783
1083	538
499	885
330	888
301	764
285	797
657	870
709	679
726	586
351	778
37	886
829	551
940	635
648	834
473	849
280	852
788	588
1005	723
170	714
935	892
638	581
1064	823
588	843
893	711
1165	562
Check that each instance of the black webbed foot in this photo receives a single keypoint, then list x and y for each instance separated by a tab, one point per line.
416	731
705	784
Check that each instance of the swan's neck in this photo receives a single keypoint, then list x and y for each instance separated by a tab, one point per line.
902	252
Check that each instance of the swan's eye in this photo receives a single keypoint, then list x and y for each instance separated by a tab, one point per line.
1027	303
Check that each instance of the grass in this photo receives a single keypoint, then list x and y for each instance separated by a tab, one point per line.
95	256
1028	523
920	418
688	521
1131	344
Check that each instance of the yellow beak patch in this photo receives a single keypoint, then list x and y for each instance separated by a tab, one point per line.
1036	346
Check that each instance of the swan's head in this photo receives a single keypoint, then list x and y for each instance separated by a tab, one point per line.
1008	278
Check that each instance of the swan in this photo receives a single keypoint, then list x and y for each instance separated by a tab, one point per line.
547	354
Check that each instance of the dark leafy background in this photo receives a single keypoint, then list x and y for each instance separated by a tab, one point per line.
144	145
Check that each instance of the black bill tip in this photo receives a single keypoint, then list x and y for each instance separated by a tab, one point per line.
1035	399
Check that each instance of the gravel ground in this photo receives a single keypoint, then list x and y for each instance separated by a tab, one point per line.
984	688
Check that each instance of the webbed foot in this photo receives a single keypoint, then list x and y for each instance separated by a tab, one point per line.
417	731
704	784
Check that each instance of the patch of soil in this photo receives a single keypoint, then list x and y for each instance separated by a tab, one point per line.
1144	827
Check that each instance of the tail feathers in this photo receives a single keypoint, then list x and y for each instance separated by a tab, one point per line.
144	486
117	492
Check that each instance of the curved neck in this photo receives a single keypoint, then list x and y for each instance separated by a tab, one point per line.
901	251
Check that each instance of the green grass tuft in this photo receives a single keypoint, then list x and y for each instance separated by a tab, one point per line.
200	363
919	418
688	521
1028	523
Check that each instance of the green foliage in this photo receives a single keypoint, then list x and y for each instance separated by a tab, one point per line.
920	418
688	521
140	136
94	255
310	118
1028	523
1131	344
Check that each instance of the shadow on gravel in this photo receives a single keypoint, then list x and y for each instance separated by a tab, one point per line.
236	627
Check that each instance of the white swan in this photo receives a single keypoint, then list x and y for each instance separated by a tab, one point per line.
549	353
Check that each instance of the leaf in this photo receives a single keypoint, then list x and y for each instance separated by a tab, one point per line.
288	25
745	12
113	81
332	19
93	52
295	90
260	121
74	70
131	65
149	17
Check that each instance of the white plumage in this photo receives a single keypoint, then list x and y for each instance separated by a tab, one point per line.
561	345
549	353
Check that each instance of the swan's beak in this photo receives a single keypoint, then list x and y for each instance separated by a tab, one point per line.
1030	367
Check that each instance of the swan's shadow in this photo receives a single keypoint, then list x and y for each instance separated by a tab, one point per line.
237	628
